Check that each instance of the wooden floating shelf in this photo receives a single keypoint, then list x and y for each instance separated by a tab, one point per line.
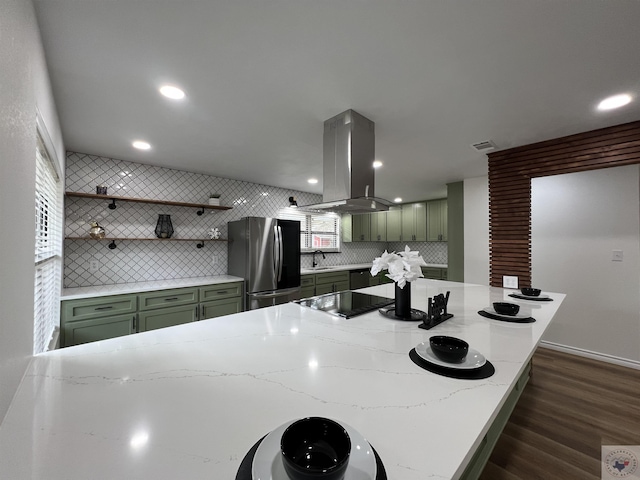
147	200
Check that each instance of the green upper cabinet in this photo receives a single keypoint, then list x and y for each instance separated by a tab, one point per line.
437	220
414	222
356	228
379	226
361	227
394	224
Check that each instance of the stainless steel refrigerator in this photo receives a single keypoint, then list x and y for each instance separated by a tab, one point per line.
266	253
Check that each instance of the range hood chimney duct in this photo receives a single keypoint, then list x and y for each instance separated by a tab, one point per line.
348	150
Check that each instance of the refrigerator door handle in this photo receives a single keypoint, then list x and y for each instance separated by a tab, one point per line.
274	294
276	251
280	253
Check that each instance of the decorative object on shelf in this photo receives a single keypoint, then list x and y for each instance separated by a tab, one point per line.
436	311
96	231
214	199
101	189
293	202
403	267
164	228
214	233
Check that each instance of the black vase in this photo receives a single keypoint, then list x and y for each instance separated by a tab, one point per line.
164	228
403	301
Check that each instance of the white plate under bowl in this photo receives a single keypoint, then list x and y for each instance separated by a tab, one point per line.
267	461
517	316
474	359
532	297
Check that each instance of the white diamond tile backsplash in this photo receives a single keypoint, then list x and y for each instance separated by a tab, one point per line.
141	261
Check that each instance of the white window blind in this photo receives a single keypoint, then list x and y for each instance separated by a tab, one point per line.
318	231
48	251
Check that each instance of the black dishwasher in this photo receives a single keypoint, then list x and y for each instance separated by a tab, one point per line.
359	279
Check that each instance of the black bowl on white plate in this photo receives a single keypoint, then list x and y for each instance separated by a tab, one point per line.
530	292
449	349
506	308
315	448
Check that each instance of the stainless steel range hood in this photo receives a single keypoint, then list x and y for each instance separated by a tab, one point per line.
348	174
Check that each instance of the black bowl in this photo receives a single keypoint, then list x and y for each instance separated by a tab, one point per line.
315	448
504	308
531	292
449	349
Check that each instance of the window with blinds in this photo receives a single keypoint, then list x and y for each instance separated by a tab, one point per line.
318	231
48	251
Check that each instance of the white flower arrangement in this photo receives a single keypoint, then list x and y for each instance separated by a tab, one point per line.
403	266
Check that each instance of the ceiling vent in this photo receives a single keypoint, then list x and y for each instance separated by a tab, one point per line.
484	147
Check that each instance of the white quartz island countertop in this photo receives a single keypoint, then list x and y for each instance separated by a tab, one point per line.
188	402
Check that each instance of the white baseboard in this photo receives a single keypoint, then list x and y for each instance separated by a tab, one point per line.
603	357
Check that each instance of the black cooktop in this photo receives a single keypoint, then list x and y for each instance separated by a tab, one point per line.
346	304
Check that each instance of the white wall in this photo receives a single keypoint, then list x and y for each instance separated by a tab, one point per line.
24	87
476	230
577	221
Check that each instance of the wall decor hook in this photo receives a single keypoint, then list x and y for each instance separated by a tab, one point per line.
112	245
112	205
200	244
200	212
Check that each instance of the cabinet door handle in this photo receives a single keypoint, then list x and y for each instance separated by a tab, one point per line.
172	299
222	292
134	323
104	308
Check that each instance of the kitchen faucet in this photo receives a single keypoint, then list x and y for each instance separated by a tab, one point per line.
314	257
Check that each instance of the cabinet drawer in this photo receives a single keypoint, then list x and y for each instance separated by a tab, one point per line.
84	331
332	277
223	290
87	308
307	280
218	308
167	298
167	317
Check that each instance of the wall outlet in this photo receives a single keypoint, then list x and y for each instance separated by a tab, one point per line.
94	266
616	255
214	259
509	282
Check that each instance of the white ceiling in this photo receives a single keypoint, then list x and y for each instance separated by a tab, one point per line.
261	77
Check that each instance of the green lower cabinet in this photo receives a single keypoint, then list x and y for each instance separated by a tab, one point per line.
166	317
217	308
481	457
308	286
98	318
306	292
434	273
380	279
332	282
93	330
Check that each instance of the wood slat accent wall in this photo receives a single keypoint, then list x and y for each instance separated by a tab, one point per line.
510	174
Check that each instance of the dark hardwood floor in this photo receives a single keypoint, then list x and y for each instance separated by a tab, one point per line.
570	407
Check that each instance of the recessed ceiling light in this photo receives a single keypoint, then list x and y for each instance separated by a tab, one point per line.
616	101
172	92
377	164
397	199
141	145
313	181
